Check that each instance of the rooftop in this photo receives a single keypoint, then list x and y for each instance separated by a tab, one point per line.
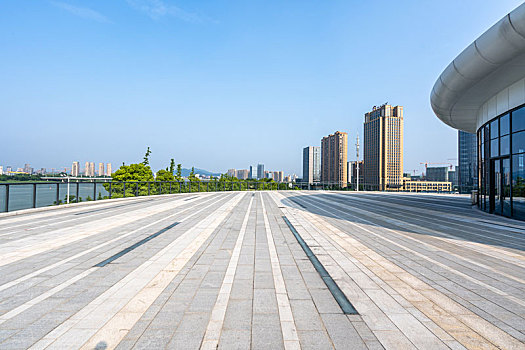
239	270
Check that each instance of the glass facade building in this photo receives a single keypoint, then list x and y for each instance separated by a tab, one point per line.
468	162
482	91
501	150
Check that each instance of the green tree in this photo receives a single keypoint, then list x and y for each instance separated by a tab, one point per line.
194	180
163	175
172	166
130	173
146	157
178	176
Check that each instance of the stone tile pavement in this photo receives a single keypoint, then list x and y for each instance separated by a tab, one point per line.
226	272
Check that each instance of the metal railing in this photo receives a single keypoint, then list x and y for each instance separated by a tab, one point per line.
24	195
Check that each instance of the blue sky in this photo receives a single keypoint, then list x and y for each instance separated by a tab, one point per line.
222	84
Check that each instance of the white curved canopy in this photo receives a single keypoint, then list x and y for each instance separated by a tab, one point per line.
490	64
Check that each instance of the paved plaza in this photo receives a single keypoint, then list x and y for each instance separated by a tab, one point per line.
241	270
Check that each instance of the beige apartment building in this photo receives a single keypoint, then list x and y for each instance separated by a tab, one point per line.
383	147
242	174
334	149
426	186
75	169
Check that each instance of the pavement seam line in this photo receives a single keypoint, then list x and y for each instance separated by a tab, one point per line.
510	257
21	308
472	279
80	232
218	314
288	328
124	319
57	264
475	323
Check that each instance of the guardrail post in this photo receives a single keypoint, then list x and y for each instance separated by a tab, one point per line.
94	190
6	198
110	190
189	187
58	192
180	187
78	191
170	186
149	188
34	195
207	186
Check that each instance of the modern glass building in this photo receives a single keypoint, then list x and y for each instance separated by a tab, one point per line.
483	92
311	164
467	175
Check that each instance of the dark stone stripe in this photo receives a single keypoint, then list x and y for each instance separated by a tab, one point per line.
337	293
297	202
138	244
113	206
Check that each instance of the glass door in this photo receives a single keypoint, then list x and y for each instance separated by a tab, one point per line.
499	199
495	186
505	186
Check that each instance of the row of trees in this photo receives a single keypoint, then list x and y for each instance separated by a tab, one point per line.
141	173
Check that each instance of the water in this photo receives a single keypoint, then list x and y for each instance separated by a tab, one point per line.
21	196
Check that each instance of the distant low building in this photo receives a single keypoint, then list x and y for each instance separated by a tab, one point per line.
426	186
231	173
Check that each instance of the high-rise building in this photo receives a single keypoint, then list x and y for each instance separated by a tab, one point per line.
90	169
468	160
75	169
231	172
86	169
253	172
28	169
108	169
383	147
100	169
281	176
438	173
260	171
352	172
1	170
311	164
334	149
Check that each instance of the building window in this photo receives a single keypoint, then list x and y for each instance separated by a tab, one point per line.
504	124
494	149
505	145
518	142
494	130
518	119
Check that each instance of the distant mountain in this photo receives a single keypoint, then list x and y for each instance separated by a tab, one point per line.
186	172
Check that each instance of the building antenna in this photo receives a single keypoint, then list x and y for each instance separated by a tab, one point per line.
357	163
